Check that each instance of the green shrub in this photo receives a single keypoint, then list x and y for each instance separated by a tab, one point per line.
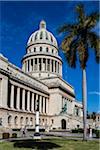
14	135
41	130
5	135
80	130
74	130
97	132
31	129
15	129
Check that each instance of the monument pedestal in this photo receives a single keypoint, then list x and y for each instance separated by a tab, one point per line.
37	134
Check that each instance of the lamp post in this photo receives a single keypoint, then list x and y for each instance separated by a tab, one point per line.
37	134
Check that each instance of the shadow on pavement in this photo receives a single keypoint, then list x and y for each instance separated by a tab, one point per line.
40	145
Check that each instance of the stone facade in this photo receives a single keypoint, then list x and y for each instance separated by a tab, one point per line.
38	83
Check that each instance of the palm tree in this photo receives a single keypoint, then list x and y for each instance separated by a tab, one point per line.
79	38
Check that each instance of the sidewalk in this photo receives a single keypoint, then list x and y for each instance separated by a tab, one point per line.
67	136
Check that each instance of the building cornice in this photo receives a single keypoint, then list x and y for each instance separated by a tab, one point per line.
63	89
10	76
40	54
41	43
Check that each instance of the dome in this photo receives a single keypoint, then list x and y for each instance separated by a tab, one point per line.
42	36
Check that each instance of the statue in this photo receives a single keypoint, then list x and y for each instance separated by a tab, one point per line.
64	109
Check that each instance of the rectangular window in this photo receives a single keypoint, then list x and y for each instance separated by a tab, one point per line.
25	100
28	65
30	100
15	96
42	105
45	105
32	64
34	101
21	98
9	94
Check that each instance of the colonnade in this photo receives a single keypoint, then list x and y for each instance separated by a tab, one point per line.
23	99
42	64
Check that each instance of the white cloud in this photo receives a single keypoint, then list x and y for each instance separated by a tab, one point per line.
94	93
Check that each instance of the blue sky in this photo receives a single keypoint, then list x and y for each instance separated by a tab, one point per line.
20	19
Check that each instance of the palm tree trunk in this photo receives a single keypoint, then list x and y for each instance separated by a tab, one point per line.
84	97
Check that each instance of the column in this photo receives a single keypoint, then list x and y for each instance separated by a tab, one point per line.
40	104
27	66
36	103
50	65
23	66
28	101
53	65
30	67
56	67
60	69
18	98
23	100
46	64
12	97
47	105
37	64
41	64
33	64
32	104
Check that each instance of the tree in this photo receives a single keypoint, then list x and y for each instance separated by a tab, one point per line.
93	116
79	38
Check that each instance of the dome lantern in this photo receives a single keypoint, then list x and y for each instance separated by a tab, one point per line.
42	24
42	35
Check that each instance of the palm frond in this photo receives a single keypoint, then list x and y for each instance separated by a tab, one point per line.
91	20
81	14
66	43
94	43
67	28
83	54
71	57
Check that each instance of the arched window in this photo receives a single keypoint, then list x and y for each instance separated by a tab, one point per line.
40	49
31	121
52	121
46	35
41	35
21	121
36	36
52	50
63	124
31	39
47	49
34	49
9	120
51	39
26	120
16	120
29	51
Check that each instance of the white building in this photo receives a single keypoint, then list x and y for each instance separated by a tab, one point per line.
39	82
